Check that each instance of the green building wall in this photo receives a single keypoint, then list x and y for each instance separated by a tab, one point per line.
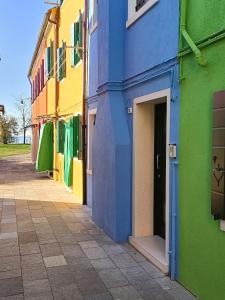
201	242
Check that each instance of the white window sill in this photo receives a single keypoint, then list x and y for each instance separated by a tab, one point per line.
89	172
93	27
77	65
140	12
222	225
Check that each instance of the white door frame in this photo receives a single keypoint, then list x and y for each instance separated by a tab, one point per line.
140	214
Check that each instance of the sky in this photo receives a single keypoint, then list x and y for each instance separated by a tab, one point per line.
20	23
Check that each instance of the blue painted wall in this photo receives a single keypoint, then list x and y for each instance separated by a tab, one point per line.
132	62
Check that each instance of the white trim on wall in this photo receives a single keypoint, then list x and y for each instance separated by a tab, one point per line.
143	172
134	15
91	114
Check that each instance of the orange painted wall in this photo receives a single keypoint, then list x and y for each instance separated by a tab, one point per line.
40	104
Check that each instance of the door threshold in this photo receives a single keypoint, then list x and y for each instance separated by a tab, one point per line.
153	248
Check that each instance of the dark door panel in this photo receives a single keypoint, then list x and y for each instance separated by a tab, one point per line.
160	170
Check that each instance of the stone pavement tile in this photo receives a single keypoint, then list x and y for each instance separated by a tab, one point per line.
68	292
156	294
123	260
79	237
43	227
35	272
113	278
137	256
152	270
76	228
15	297
11	249
102	238
22	217
103	263
10	274
52	249
45	238
27	237
143	285
9	263
7	228
95	231
166	283
11	286
72	251
29	248
125	293
9	202
65	238
31	260
180	293
60	276
55	220
113	249
60	228
55	261
8	221
79	264
88	244
104	296
7	236
39	220
37	288
95	253
25	226
92	286
135	273
37	213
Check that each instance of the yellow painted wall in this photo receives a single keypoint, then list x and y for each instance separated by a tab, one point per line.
71	87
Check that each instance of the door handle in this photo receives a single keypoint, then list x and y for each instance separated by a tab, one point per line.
157	162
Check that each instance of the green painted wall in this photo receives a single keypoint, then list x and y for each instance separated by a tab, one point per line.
202	243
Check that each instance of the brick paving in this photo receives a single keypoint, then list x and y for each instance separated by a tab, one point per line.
51	249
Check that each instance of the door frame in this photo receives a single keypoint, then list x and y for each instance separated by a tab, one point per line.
139	194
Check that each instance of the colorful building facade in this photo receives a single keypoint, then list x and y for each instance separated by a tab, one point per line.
62	34
201	238
133	99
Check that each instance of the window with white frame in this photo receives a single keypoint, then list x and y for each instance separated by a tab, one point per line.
93	14
91	127
137	8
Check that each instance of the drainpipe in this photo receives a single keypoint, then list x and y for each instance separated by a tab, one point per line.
56	42
84	103
198	54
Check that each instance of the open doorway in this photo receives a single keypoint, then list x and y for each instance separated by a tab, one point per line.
150	229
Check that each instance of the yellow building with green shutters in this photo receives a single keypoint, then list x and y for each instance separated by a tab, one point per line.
65	94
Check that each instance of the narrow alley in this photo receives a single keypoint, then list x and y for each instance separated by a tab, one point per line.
51	249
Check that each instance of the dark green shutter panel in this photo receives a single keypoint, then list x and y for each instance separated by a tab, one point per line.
60	66
76	41
57	137
77	136
49	61
80	41
64	60
60	136
72	44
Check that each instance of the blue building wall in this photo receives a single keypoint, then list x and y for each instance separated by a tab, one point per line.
132	62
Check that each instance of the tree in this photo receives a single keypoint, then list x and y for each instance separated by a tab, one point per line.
8	127
23	106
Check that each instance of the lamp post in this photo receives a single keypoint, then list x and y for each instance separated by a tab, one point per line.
2	109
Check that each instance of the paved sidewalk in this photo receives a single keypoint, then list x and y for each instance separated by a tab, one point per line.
51	249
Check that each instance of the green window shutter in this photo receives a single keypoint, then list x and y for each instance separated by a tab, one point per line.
60	66
64	59
60	136
72	44
51	59
77	137
80	41
48	61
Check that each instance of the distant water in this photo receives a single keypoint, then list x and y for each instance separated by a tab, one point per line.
19	140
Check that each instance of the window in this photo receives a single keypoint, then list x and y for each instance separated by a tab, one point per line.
49	61
61	62
77	41
137	8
